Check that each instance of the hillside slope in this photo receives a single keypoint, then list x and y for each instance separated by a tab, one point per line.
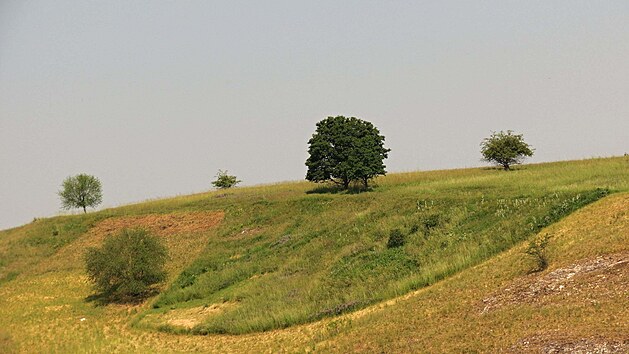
581	302
281	255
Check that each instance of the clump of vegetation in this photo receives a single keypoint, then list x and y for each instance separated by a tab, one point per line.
426	223
505	149
224	180
345	150
396	239
81	191
128	265
537	250
431	221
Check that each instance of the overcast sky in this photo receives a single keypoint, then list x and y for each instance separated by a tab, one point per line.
153	97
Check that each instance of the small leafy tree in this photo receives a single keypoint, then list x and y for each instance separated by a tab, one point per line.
81	191
343	150
505	149
128	265
224	180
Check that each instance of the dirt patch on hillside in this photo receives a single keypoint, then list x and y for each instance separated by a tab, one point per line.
161	224
555	344
591	279
186	318
185	236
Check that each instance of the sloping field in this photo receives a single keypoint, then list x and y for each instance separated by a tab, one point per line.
284	255
581	302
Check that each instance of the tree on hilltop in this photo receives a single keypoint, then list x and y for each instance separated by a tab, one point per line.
343	150
505	149
81	191
224	180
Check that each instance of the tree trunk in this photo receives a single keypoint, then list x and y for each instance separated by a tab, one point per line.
84	210
506	167
366	183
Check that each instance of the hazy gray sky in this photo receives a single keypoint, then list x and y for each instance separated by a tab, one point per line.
153	97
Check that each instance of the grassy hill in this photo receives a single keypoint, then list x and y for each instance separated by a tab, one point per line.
294	255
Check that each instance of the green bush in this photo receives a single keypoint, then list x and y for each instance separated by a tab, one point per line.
128	265
225	180
537	250
431	221
396	239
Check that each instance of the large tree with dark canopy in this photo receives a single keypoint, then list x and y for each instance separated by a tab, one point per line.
344	150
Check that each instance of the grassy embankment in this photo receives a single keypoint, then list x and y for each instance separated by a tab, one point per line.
283	256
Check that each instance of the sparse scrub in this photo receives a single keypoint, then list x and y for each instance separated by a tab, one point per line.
537	250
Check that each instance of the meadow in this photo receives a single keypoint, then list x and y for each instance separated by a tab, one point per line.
294	255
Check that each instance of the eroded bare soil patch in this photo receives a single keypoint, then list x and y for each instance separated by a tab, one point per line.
558	344
161	224
589	279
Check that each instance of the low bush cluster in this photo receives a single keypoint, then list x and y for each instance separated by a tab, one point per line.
128	265
396	239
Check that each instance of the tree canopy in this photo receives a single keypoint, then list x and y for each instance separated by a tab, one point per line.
505	149
81	191
343	150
